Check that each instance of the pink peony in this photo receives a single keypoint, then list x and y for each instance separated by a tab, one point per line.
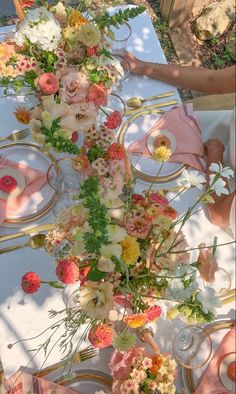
120	363
30	282
67	271
138	227
101	336
155	198
48	83
153	312
113	121
74	87
97	94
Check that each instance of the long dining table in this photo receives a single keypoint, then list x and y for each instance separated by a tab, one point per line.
26	316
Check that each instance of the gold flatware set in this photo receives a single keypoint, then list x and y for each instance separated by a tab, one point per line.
129	112
16	136
137	102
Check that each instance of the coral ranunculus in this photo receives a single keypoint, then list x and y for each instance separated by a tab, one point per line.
101	336
137	320
67	271
153	313
98	94
48	83
116	151
30	282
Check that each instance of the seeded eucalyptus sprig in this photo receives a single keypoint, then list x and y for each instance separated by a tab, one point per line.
122	16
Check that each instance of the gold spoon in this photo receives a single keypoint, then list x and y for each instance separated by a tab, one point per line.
35	242
137	102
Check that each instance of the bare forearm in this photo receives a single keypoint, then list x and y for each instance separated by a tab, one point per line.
193	78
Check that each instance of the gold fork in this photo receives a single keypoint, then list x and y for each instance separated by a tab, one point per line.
78	357
16	136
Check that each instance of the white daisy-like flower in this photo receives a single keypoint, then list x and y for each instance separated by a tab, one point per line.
116	233
209	300
190	179
226	172
218	186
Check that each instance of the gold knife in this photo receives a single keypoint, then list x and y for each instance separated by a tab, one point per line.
32	230
129	112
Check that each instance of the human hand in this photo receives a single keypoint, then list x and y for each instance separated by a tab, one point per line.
214	150
136	65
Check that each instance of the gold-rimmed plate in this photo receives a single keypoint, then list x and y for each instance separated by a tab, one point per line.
87	381
40	201
216	330
145	167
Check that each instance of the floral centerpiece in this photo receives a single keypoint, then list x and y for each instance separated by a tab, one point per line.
60	54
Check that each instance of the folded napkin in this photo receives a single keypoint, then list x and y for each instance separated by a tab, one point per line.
210	382
181	123
30	181
22	383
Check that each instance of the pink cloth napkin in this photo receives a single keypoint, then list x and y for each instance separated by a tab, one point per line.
210	382
34	181
180	122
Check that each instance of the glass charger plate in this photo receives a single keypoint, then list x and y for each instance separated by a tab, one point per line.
144	167
41	201
87	381
217	331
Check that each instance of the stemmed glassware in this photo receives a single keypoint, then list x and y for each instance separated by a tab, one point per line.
117	37
192	347
64	177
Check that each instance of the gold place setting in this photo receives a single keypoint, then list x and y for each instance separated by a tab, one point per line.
104	236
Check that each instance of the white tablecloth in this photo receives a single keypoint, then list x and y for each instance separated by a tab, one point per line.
24	316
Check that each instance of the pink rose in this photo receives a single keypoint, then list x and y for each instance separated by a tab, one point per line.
98	94
48	83
74	87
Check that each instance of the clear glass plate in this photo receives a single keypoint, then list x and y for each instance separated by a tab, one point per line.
40	201
88	381
145	167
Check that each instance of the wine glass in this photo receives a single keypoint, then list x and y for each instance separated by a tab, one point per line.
118	37
192	347
64	177
114	103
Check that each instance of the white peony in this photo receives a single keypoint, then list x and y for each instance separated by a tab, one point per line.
40	28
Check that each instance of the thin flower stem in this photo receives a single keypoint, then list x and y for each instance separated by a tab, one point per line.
158	173
198	248
178	194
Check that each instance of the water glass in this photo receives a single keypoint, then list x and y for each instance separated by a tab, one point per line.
117	39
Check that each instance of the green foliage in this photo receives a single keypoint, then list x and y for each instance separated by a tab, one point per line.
95	152
95	275
98	218
220	60
192	309
107	20
60	143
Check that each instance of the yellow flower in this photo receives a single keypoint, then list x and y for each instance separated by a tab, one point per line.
162	153
89	35
136	321
23	115
76	19
130	250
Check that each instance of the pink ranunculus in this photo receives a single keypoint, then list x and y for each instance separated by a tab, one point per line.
113	121
97	94
30	282
138	227
67	271
207	264
153	312
137	199
157	199
101	336
74	87
120	363
48	83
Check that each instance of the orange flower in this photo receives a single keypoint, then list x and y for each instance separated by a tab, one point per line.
137	320
156	363
23	115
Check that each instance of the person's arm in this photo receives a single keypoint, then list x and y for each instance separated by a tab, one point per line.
193	78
